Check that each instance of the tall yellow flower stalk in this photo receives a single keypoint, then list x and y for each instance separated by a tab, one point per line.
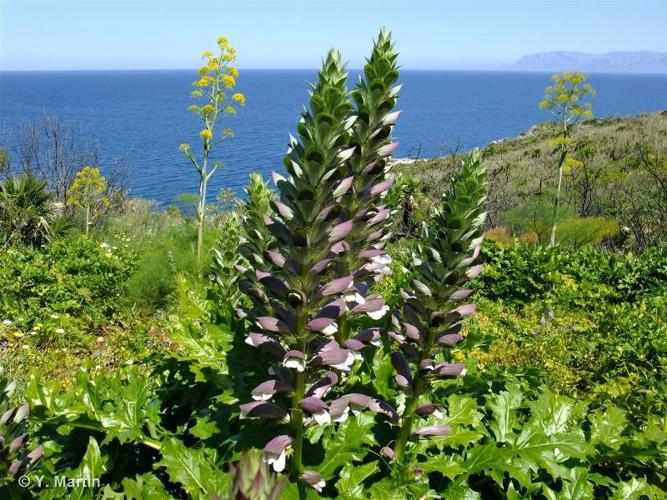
215	98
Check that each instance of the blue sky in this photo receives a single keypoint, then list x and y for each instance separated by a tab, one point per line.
279	34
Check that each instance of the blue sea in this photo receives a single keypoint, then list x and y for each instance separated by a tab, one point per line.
142	116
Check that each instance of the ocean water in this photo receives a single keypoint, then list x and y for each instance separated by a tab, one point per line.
142	116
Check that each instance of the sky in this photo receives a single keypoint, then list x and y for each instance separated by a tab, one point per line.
159	34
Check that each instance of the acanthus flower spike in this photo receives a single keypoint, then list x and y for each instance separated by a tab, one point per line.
429	315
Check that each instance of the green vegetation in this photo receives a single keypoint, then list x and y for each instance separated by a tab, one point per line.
349	334
617	196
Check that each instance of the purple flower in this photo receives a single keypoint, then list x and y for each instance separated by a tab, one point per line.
317	408
429	409
344	186
326	326
449	339
295	359
314	479
336	286
433	430
448	370
271	324
340	231
266	390
332	355
388	452
262	409
460	295
401	366
371	336
275	452
474	271
322	387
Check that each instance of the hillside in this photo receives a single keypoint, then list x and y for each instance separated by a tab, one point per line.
611	62
620	188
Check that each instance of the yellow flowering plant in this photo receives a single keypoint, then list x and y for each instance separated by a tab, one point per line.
215	100
565	100
88	191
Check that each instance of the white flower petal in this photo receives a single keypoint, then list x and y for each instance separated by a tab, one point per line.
279	463
322	417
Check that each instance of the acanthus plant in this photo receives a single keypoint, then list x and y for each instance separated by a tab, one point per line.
296	292
15	459
429	318
367	169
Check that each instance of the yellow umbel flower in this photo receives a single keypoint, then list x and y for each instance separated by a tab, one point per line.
240	98
208	110
204	81
229	81
206	134
571	163
223	42
234	72
206	53
230	110
213	65
196	93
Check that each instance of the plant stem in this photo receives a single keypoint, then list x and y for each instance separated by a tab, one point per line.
296	416
151	443
408	416
87	219
552	240
343	332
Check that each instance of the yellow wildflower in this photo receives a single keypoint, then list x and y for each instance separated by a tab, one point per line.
203	71
193	108
207	53
240	98
234	72
196	93
229	55
223	42
230	110
229	81
206	134
204	81
571	163
213	65
208	110
184	148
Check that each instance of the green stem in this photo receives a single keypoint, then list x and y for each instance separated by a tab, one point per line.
151	443
408	416
552	240
87	219
296	416
343	332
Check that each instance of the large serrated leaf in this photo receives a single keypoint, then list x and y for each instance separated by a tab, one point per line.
504	406
352	477
350	442
193	469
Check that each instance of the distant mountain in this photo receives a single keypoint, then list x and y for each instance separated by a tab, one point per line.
612	62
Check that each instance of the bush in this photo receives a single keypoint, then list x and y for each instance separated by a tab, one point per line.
587	321
26	211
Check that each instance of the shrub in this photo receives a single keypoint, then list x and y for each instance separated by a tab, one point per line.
26	211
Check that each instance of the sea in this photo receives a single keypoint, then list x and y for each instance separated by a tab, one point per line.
142	117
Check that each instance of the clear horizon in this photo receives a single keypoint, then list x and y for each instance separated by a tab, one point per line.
448	35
